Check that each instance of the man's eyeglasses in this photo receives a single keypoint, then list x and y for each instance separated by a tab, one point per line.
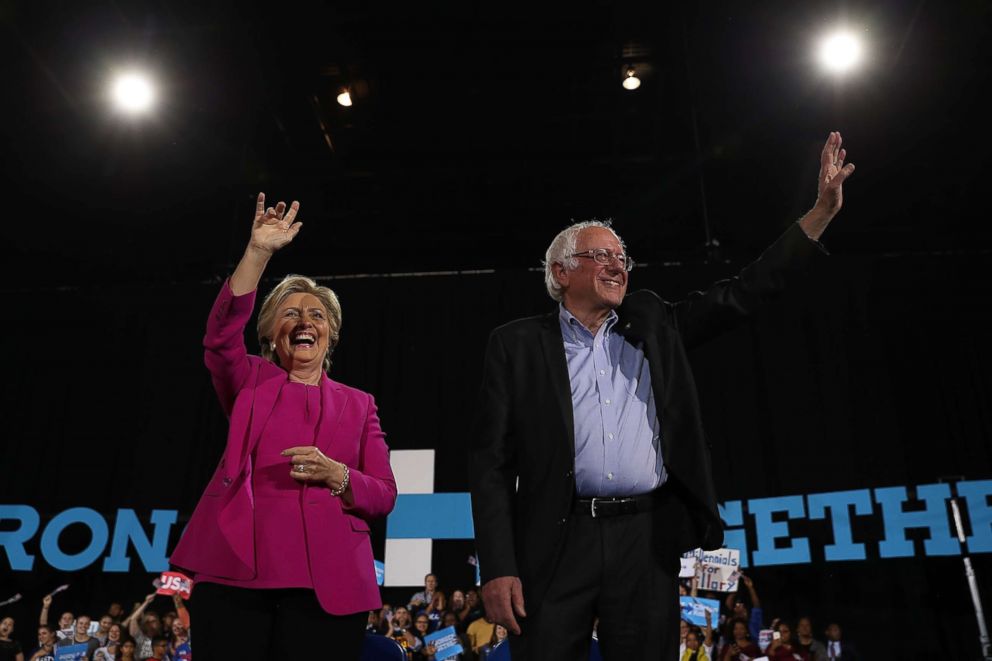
606	257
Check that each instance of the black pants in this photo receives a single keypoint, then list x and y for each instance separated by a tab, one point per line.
276	624
609	568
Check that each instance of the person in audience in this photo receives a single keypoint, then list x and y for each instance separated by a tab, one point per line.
739	647
81	636
498	636
472	610
435	609
144	627
421	628
804	640
180	648
114	634
103	629
480	632
127	650
167	619
10	649
450	619
160	647
457	601
783	647
401	630
738	610
115	611
694	651
422	598
837	650
46	644
65	628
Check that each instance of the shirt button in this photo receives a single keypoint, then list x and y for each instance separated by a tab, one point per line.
227	481
561	522
607	402
609	476
602	372
610	436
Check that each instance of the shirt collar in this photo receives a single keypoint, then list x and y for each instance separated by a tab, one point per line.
569	321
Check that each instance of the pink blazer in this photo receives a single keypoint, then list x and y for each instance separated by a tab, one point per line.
219	539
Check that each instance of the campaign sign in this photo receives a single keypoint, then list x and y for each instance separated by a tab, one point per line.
380	572
71	652
720	569
445	642
764	639
173	582
694	610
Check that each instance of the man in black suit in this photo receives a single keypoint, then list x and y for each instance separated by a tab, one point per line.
590	470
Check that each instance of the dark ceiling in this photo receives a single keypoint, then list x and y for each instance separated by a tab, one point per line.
478	131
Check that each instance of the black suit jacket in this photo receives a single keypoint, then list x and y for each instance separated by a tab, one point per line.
523	446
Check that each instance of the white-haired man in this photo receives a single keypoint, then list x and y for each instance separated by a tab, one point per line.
590	470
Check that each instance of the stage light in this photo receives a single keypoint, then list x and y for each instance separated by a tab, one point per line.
840	52
133	93
630	80
344	98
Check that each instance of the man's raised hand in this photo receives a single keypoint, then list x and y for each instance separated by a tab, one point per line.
833	172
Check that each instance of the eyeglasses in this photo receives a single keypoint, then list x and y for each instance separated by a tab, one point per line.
606	257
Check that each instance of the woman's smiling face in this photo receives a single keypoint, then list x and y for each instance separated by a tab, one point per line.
301	330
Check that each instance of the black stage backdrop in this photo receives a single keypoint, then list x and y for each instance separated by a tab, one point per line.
876	373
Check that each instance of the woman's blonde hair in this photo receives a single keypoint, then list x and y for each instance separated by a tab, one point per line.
298	284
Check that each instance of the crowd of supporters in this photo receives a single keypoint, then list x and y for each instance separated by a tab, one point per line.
114	636
739	632
742	632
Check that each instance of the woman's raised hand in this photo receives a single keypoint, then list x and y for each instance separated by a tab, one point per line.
273	228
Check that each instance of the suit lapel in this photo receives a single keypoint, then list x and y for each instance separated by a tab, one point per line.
265	397
332	404
554	356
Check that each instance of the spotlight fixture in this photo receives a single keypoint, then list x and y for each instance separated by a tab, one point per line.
133	93
344	98
840	52
630	80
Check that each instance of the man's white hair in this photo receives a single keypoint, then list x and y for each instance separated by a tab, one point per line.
563	247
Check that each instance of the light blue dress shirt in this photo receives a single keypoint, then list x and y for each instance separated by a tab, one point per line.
617	431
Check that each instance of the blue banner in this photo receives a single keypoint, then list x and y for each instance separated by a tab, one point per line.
446	643
71	652
694	610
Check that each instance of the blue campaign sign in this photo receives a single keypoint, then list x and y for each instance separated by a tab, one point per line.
380	572
694	610
71	652
445	642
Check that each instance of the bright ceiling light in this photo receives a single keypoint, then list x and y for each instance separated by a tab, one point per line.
133	93
344	98
630	80
840	52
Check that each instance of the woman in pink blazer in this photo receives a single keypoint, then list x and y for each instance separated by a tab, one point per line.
279	542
